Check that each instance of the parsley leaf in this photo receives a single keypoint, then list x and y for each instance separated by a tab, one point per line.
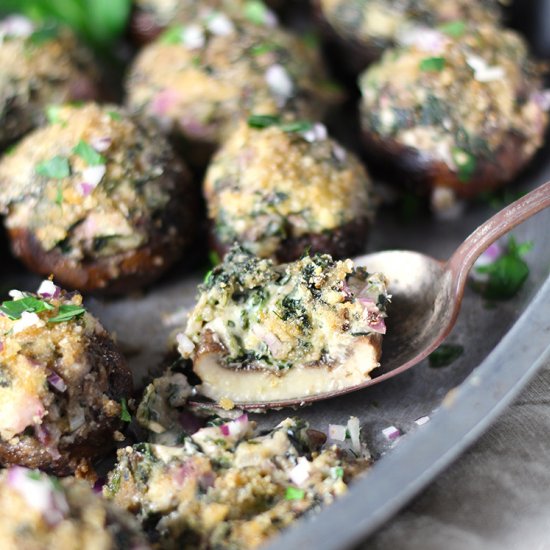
507	274
88	154
256	12
465	162
293	493
53	114
454	29
67	312
15	308
432	64
444	355
264	47
113	115
266	121
59	194
55	168
125	415
263	121
173	35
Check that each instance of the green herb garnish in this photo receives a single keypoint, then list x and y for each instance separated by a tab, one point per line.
15	308
266	121
173	35
337	472
67	312
88	154
256	12
507	274
125	415
214	258
444	355
293	493
454	29
43	35
53	114
432	64
465	162
113	115
55	168
35	475
260	49
59	194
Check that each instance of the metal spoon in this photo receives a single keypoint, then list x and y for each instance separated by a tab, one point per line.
427	294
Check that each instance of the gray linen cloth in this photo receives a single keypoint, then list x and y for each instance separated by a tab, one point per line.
495	496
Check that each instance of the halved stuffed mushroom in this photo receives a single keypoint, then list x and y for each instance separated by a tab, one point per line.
42	512
267	333
462	111
226	487
41	66
62	382
99	199
280	188
199	80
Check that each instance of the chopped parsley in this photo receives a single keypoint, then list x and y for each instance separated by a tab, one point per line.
13	309
125	415
337	472
260	49
454	29
59	194
465	162
53	114
43	35
293	493
432	64
113	115
55	168
507	274
267	121
256	12
173	35
67	312
88	154
444	355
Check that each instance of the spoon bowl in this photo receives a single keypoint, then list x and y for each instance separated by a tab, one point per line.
426	295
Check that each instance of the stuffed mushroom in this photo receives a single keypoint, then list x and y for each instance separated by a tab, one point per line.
463	111
280	188
62	382
42	512
360	30
226	487
40	66
199	80
151	17
97	198
266	333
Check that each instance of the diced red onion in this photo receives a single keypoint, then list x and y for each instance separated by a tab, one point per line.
391	433
101	144
368	303
279	81
220	25
379	326
44	436
337	432
542	99
354	429
27	320
193	37
426	39
493	252
236	428
92	175
269	339
57	382
300	473
164	102
17	26
48	289
40	494
98	485
317	133
86	189
422	420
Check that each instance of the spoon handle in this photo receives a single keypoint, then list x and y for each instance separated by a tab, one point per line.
486	234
